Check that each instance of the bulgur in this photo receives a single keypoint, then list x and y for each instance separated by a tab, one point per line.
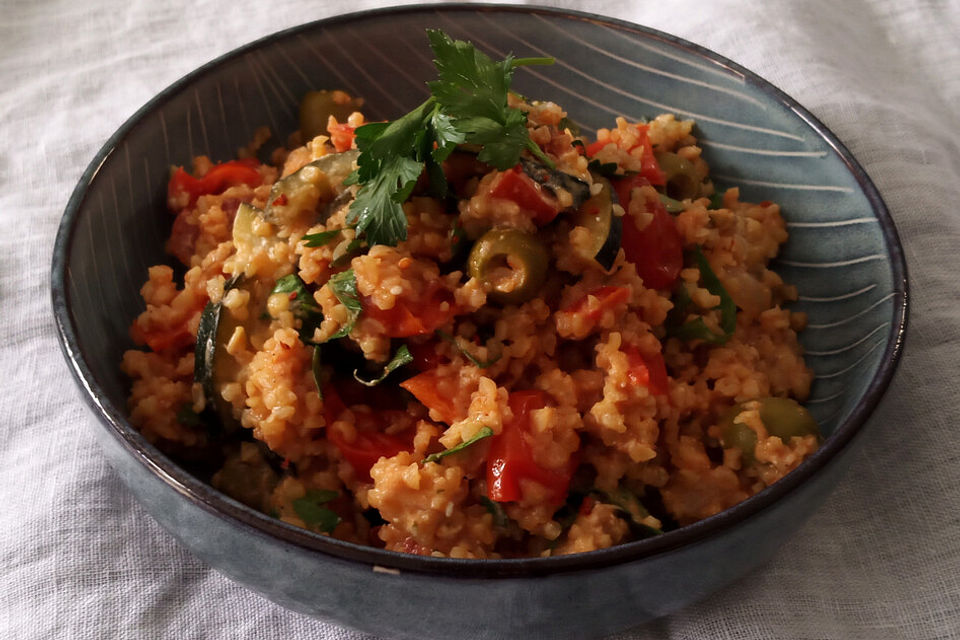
623	397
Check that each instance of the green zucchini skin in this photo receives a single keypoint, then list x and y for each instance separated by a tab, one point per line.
210	341
299	191
607	254
596	215
606	227
554	180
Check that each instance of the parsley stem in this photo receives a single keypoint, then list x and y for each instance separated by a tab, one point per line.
537	151
526	62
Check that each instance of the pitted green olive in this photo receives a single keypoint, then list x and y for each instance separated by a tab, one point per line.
511	264
316	107
782	417
737	435
682	180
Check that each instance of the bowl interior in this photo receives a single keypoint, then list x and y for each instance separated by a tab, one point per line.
842	253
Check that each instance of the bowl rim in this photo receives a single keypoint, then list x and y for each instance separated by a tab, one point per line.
112	418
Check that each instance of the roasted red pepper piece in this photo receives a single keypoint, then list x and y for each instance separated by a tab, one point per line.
511	460
657	249
217	180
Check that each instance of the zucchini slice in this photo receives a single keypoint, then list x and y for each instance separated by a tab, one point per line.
297	197
244	237
212	366
556	181
606	229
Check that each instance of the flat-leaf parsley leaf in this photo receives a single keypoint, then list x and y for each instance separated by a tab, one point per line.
467	105
344	287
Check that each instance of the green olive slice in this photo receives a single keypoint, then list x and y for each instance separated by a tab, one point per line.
316	107
510	263
682	180
782	417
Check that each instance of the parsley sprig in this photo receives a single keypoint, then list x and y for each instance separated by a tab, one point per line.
467	105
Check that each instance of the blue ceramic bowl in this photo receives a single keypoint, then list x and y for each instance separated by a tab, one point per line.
843	254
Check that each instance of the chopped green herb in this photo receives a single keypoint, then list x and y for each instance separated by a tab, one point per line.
321	238
566	515
400	358
344	287
310	509
671	205
727	307
697	329
302	305
315	368
567	123
485	432
468	105
716	200
500	518
480	364
628	504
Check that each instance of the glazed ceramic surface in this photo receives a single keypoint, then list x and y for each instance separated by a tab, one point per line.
843	255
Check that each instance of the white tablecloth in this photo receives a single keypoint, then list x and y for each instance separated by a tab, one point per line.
881	559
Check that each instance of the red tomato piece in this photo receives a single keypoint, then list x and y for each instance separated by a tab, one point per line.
183	238
649	371
341	135
657	249
594	147
649	167
518	187
425	388
511	460
332	404
425	356
217	180
170	338
587	506
163	340
370	443
367	448
403	320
